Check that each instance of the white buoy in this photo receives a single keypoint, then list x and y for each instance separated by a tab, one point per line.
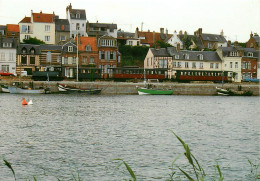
30	102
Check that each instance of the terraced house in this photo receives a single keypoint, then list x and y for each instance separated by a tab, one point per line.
39	25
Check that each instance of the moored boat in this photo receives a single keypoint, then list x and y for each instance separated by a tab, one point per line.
152	91
19	90
70	89
228	92
5	88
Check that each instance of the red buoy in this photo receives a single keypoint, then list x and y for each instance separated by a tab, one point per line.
24	102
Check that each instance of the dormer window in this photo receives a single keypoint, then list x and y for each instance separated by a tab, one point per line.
177	56
250	54
233	54
32	51
187	56
78	15
88	48
200	57
5	45
24	50
70	48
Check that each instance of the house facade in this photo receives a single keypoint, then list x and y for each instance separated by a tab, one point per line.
8	54
254	41
147	38
108	54
101	29
28	58
50	58
249	63
62	31
39	25
77	20
174	40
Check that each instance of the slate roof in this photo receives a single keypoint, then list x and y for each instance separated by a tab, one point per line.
85	41
26	20
122	34
257	39
62	25
8	40
227	50
162	52
12	28
213	37
50	47
43	17
196	39
82	13
103	25
194	55
28	47
2	27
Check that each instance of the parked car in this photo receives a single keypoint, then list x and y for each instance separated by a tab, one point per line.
5	73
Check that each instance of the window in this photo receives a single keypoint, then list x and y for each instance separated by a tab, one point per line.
62	38
211	65
47	38
77	26
250	54
187	56
91	61
88	48
32	60
26	37
74	60
186	64
70	48
24	60
209	45
25	29
82	24
233	54
231	65
5	68
32	51
2	56
193	64
78	15
177	56
200	57
48	56
236	64
179	64
249	65
201	65
131	43
217	65
147	61
111	55
47	28
5	45
11	56
84	60
244	65
65	60
174	64
102	55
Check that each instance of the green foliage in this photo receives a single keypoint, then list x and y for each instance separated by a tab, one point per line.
133	55
242	44
10	167
130	171
161	44
34	41
187	42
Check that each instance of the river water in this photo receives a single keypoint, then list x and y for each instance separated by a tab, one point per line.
64	135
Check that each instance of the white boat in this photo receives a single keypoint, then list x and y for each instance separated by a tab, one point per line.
5	88
18	90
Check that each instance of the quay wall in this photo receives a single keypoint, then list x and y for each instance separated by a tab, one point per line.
124	88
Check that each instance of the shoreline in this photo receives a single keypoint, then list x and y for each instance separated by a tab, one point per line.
130	88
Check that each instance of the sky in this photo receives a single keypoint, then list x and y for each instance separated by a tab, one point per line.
237	18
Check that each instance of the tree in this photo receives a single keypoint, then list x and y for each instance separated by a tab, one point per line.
34	41
187	42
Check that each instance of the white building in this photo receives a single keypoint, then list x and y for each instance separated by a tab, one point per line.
8	54
39	25
77	20
175	40
133	42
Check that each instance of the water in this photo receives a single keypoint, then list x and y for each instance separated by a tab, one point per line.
64	135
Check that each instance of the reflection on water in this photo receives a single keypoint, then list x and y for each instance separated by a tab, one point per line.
63	134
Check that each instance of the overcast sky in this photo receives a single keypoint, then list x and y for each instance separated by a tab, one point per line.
237	18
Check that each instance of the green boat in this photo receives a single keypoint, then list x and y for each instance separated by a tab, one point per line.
150	91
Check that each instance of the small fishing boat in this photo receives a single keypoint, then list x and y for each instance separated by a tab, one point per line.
152	91
228	92
70	89
18	88
5	88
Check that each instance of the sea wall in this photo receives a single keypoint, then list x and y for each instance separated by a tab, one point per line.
123	88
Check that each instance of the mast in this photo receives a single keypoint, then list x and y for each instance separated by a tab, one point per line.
77	61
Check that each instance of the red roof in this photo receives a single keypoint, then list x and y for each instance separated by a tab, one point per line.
42	17
12	28
149	37
26	20
85	41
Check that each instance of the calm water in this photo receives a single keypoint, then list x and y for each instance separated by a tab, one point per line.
62	135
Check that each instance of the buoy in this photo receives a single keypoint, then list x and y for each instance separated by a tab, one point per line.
30	102
24	102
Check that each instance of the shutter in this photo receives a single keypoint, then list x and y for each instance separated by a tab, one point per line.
99	55
105	55
108	55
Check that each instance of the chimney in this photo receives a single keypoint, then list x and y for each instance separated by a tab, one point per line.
251	34
178	47
229	43
200	31
136	32
41	11
222	33
162	30
153	36
185	33
166	32
180	33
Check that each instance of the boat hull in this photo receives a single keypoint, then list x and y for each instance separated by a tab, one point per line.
225	92
18	90
5	89
145	91
72	90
